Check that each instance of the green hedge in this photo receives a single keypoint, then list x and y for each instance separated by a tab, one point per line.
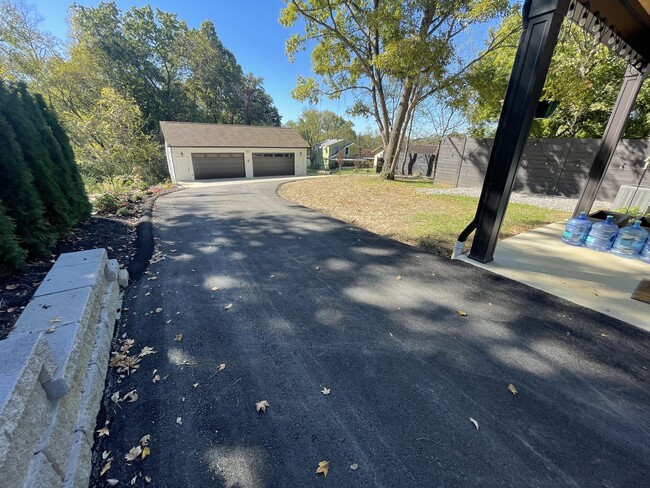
43	197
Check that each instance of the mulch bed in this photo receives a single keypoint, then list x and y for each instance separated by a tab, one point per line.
116	234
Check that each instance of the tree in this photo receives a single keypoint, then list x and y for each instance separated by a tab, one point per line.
315	126
24	48
12	256
373	47
21	201
584	80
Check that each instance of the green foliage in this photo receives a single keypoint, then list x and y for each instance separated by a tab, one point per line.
12	256
107	203
316	126
22	202
392	55
584	78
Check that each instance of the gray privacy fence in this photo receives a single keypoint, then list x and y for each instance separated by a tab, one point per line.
548	166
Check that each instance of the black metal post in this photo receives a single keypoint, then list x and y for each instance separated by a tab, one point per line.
613	132
542	21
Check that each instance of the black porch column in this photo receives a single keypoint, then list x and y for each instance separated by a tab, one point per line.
542	20
613	132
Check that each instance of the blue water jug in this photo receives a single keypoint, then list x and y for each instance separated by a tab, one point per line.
576	230
645	252
630	240
602	235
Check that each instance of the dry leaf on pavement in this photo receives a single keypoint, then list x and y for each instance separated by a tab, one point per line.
158	310
262	406
112	482
323	467
55	320
145	452
214	288
156	378
106	467
131	396
195	385
179	421
354	466
11	287
147	479
398	277
474	422
221	367
462	313
325	391
133	453
228	307
146	350
145	440
179	337
50	330
512	389
103	431
116	398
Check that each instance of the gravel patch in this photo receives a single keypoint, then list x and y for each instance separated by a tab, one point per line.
553	202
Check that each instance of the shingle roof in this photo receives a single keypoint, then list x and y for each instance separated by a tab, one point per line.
192	134
329	142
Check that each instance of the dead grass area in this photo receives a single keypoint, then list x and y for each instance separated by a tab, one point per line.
395	209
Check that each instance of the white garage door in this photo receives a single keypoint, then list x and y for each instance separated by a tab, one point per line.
214	165
273	164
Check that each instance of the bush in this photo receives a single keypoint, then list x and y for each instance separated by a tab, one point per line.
106	203
12	256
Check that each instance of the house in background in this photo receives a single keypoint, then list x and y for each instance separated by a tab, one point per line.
197	151
329	152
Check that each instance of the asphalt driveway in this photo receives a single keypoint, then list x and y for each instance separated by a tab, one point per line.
319	304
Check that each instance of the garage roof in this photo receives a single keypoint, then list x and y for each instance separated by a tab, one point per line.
193	134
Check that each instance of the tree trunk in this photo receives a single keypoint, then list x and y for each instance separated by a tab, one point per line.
391	151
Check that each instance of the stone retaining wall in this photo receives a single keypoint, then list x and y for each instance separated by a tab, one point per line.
54	365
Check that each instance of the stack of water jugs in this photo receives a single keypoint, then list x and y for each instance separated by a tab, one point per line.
629	242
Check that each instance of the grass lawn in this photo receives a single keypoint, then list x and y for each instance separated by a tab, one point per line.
396	209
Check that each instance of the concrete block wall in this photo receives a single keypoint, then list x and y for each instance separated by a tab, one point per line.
54	365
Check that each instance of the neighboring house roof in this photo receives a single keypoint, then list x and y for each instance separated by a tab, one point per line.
330	142
378	149
342	148
192	134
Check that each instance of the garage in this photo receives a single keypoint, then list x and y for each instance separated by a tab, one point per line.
208	166
273	164
199	151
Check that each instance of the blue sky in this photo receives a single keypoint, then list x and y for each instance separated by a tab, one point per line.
249	28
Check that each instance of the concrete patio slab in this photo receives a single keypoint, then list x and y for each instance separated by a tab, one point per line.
596	280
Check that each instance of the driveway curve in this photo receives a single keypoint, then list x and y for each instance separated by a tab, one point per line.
292	302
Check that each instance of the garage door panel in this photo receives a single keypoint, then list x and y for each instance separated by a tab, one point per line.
273	164
213	166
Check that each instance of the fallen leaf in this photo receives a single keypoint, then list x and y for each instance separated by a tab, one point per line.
398	277
50	330
214	288
112	482
105	455
55	320
474	422
147	479
152	278
262	406
144	441
317	268
133	453
145	452
134	480
103	431
604	335
156	379
131	396
179	337
146	351
325	391
158	310
195	385
228	307
116	398
221	367
106	467
323	467
11	287
512	389
147	294
11	309
179	421
354	466
462	313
